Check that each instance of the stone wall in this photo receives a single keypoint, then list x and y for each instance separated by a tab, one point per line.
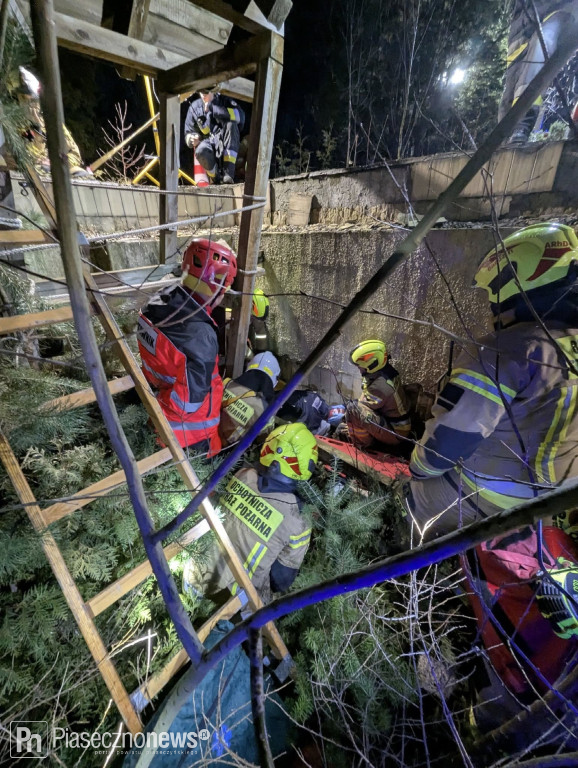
336	264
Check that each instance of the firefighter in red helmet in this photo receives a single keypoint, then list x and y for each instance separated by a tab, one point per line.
177	340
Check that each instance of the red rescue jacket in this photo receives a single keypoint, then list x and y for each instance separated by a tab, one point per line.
180	372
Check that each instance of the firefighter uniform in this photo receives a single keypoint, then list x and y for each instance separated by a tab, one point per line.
219	130
178	344
266	529
240	409
505	427
382	412
525	55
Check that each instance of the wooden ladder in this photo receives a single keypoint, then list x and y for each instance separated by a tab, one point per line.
85	613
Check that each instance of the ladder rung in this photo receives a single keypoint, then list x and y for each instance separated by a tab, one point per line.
84	497
146	692
129	581
35	320
85	396
20	236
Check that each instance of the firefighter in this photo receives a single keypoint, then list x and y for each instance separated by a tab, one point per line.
258	331
505	426
213	128
381	416
35	130
246	397
177	340
263	520
504	430
526	56
309	408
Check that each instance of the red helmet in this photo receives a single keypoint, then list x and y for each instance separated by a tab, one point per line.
209	262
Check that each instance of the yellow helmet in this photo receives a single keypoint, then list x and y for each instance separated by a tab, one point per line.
539	255
294	448
370	355
260	303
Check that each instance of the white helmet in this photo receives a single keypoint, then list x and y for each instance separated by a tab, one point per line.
267	362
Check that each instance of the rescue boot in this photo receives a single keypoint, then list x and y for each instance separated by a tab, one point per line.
524	128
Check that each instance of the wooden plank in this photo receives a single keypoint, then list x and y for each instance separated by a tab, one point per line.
86	396
226	11
299	210
136	27
183	465
130	580
20	236
70	591
102	487
169	137
260	149
82	37
204	72
35	320
238	88
275	11
147	691
184	16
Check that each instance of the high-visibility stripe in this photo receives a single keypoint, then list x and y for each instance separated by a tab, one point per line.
565	409
483	385
488	490
230	157
234	114
301	542
300	537
416	460
186	407
205	130
160	376
187	426
259	556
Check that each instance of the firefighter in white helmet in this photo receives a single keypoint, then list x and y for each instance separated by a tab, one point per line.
246	397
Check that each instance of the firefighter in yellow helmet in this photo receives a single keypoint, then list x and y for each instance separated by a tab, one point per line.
258	331
263	519
381	415
505	427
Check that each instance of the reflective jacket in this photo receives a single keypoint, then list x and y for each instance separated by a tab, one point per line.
179	351
263	527
383	392
509	414
221	110
240	409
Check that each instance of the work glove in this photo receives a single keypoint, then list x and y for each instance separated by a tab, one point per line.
557	596
192	140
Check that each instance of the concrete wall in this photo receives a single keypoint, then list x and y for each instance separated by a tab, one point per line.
335	265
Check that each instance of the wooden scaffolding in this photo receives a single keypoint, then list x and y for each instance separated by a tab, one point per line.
183	44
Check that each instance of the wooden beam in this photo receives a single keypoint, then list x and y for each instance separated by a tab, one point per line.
181	20
226	11
130	580
238	88
275	11
204	72
20	236
70	591
35	320
82	37
169	138
256	179
136	28
86	396
102	487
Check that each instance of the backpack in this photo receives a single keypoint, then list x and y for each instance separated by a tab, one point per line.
519	641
